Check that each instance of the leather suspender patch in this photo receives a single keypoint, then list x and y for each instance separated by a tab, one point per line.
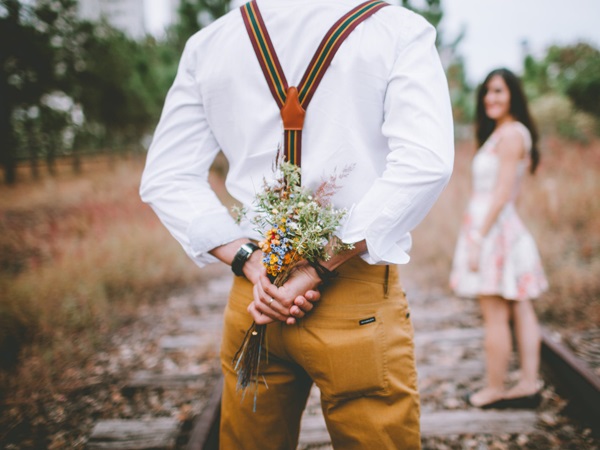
293	101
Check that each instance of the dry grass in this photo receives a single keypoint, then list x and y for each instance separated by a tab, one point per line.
561	207
78	255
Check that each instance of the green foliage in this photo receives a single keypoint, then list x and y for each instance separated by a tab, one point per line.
572	70
25	71
114	86
582	82
461	94
565	88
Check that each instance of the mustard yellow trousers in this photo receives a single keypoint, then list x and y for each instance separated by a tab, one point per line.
356	345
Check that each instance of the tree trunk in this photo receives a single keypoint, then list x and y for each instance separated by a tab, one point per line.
33	144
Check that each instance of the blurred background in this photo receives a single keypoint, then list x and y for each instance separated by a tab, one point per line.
81	88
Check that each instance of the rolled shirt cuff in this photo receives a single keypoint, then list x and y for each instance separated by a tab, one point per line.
381	252
210	231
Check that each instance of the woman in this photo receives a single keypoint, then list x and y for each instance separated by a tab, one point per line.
496	258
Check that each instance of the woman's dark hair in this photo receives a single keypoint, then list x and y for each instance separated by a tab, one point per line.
518	109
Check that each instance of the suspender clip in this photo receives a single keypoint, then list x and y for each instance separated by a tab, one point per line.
292	112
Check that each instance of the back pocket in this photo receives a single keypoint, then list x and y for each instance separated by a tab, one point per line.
346	356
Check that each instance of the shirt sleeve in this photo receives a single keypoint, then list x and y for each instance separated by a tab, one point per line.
419	129
175	179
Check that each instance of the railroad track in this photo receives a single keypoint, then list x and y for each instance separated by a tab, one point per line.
449	360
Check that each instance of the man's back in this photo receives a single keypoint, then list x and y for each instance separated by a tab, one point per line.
384	93
382	108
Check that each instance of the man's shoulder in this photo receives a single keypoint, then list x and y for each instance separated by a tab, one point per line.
399	15
231	19
397	21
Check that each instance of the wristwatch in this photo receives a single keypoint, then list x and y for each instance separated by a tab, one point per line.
240	258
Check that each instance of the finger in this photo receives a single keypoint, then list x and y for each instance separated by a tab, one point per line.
268	288
268	295
269	302
259	307
270	312
290	321
259	319
297	312
302	304
275	305
313	296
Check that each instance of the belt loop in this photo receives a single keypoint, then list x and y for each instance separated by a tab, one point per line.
386	281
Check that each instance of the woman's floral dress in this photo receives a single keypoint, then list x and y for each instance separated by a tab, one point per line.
510	264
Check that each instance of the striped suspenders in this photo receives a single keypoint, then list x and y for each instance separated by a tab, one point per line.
293	101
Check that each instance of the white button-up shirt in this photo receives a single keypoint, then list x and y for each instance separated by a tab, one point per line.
382	107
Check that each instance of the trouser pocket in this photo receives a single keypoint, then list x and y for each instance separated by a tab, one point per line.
346	356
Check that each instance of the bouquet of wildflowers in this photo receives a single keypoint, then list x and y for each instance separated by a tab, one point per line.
297	225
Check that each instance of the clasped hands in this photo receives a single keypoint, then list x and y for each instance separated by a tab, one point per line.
287	303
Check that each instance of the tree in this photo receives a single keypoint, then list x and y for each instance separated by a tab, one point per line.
36	69
25	74
67	83
572	70
578	74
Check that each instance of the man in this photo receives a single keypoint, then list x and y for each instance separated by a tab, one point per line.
383	108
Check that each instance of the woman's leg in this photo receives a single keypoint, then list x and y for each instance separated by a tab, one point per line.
527	332
498	347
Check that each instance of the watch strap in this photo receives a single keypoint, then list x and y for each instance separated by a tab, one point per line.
240	258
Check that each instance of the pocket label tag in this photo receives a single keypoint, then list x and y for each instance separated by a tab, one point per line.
366	321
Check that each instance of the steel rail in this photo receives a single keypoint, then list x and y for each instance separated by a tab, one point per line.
573	374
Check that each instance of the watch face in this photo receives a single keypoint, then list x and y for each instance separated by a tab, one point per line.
249	248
